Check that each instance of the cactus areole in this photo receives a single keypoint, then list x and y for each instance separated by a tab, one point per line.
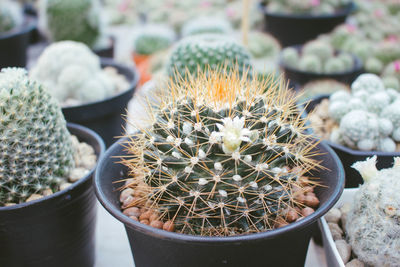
223	157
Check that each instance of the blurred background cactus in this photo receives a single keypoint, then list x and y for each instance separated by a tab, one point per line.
223	157
75	20
36	147
321	87
153	38
204	24
11	15
204	51
368	117
73	74
372	224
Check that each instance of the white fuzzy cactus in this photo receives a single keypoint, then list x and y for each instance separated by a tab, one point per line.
70	70
369	117
11	15
373	223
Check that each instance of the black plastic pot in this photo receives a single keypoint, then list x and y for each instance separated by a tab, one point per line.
106	52
57	230
14	44
293	29
286	246
105	116
298	78
349	156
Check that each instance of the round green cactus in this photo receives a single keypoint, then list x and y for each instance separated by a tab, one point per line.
207	51
10	15
201	25
374	65
311	63
153	38
290	56
334	65
262	45
318	48
36	147
75	20
223	156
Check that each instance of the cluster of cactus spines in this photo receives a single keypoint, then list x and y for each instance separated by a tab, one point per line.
10	15
319	57
223	156
373	222
152	38
36	147
201	25
201	52
319	7
70	70
368	117
75	20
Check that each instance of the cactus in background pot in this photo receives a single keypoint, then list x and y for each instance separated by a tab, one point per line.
11	15
305	7
153	38
369	116
203	25
321	87
373	225
75	20
36	147
204	51
73	74
224	157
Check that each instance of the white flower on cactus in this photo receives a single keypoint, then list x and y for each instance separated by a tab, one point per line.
367	168
233	133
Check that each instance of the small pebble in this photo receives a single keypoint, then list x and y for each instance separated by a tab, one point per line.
333	216
291	215
311	201
146	215
64	186
344	250
168	226
344	210
88	161
153	217
336	231
9	204
34	197
77	173
128	192
145	222
280	222
355	263
157	224
47	192
307	211
134	218
133	211
128	200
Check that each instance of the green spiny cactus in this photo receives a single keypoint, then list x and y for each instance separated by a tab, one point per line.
75	20
10	15
153	38
223	156
373	223
205	51
201	25
36	147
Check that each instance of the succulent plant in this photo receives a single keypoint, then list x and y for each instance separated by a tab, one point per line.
311	63
75	20
223	156
290	56
201	52
201	25
70	70
373	224
318	48
369	117
262	45
153	38
36	147
317	7
10	15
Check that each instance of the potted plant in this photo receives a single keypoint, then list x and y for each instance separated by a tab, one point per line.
76	20
93	92
360	123
318	60
220	177
47	205
15	30
295	22
149	40
359	231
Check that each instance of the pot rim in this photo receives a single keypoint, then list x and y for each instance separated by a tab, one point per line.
145	229
30	23
133	84
88	176
344	11
347	149
358	66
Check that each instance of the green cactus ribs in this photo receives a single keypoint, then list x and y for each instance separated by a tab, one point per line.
36	150
223	157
